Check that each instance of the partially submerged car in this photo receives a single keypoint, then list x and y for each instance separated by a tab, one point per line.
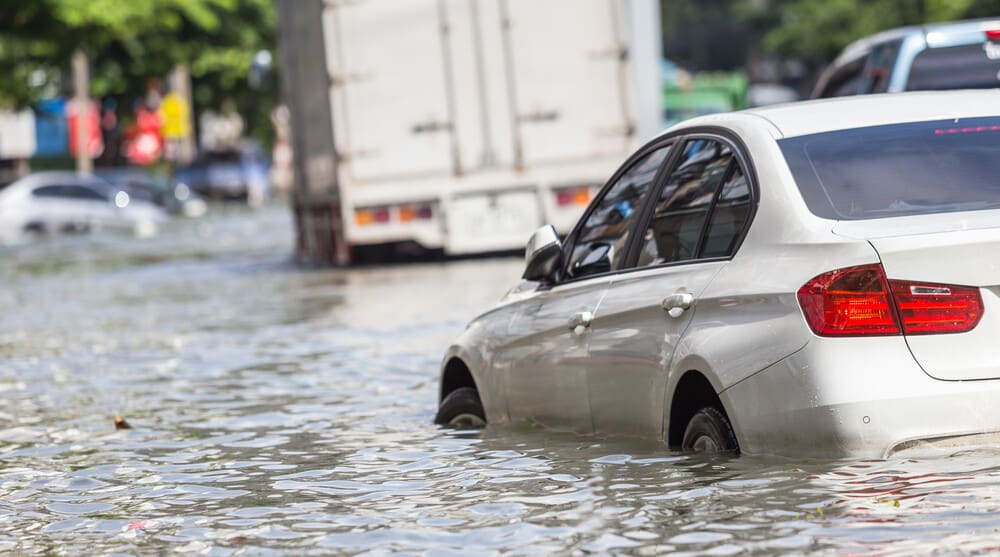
813	278
65	202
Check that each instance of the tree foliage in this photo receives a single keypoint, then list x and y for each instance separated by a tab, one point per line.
130	41
819	29
717	34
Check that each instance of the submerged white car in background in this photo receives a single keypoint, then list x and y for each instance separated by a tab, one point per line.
64	202
815	278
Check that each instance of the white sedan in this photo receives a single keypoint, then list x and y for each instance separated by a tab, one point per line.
64	202
814	278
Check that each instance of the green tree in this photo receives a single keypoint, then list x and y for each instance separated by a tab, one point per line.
129	42
816	30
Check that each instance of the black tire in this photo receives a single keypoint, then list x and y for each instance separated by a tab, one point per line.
461	408
709	431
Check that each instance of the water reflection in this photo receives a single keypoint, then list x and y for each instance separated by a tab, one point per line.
279	410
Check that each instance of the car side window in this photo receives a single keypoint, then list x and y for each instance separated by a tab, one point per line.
845	80
48	191
68	192
678	219
86	193
729	216
878	71
601	240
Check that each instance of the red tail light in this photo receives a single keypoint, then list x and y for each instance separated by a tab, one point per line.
936	308
849	302
860	301
993	34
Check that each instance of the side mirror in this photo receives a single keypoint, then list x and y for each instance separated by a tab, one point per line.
543	256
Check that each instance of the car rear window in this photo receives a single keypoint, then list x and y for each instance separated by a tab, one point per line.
974	66
901	169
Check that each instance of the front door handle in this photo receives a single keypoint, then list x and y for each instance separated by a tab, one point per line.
580	320
676	303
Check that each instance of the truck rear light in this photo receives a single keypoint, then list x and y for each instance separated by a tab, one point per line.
572	196
408	213
365	217
861	301
403	213
993	34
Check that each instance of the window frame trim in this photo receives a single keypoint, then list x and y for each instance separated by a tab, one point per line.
738	148
740	151
667	141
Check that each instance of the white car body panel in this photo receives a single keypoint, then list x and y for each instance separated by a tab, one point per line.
540	338
633	341
843	113
952	257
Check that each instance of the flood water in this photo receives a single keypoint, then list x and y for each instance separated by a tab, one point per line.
277	410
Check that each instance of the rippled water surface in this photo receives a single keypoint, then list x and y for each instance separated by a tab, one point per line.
282	410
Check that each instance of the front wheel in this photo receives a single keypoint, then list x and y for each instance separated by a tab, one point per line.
709	431
461	408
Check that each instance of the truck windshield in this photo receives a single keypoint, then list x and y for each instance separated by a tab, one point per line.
901	169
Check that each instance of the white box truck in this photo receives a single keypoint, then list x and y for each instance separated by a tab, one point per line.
461	126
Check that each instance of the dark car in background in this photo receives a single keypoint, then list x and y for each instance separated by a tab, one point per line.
958	55
240	173
175	198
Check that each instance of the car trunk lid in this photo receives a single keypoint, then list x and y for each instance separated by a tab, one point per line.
949	249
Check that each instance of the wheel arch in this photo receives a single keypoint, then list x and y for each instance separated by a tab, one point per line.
455	374
692	392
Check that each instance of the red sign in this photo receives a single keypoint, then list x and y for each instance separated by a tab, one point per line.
91	122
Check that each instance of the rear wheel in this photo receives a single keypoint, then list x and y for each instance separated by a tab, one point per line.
461	408
709	431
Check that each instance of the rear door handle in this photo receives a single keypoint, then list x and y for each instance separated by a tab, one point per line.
580	320
676	303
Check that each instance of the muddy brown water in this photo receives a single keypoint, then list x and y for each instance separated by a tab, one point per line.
277	410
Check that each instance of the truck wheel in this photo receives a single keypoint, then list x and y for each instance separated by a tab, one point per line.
709	431
461	408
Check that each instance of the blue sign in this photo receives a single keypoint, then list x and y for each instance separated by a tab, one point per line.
51	128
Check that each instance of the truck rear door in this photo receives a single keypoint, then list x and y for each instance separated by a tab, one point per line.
390	106
567	70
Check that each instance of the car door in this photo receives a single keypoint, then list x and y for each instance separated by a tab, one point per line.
545	363
690	231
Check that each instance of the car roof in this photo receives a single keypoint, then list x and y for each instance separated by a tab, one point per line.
58	177
119	171
841	113
934	33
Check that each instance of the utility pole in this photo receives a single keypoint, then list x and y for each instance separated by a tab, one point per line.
81	100
306	84
180	83
644	21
